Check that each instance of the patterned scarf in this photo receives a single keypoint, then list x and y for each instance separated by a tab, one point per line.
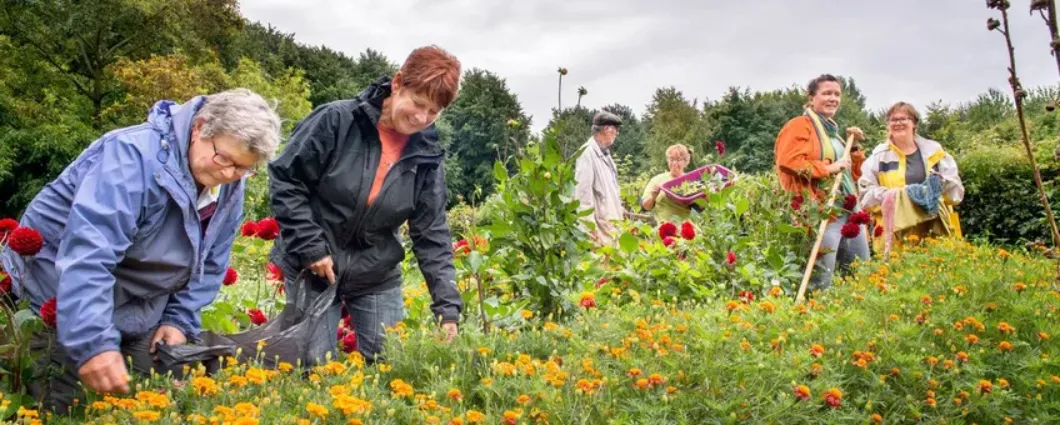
827	130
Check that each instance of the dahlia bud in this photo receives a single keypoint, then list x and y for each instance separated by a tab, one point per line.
992	24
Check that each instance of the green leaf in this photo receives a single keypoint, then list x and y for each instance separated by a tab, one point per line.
628	243
742	205
475	261
23	317
499	172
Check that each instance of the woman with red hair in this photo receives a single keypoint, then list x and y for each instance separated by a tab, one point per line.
353	172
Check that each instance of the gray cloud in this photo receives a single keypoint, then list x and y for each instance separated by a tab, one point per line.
622	50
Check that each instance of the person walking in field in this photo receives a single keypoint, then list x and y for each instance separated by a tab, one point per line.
596	178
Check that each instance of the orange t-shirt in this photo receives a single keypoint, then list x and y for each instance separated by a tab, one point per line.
393	144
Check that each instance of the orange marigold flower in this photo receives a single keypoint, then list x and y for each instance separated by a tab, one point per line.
962	357
1004	346
802	392
817	350
971	338
877	419
1043	336
834	398
633	373
656	379
641	383
1020	287
1004	327
455	394
985	386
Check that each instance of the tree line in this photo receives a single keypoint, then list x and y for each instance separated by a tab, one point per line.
70	71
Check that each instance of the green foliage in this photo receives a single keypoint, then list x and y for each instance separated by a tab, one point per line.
537	230
486	124
671	119
993	173
571	127
331	75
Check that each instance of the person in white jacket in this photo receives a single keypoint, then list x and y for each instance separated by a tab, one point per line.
909	164
597	178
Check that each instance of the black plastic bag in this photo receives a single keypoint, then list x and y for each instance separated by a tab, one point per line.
287	337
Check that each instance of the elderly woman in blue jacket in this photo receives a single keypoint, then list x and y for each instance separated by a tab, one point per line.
137	234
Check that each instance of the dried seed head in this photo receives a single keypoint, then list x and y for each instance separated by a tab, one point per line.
1051	106
1039	5
992	24
1021	94
1055	44
992	4
563	71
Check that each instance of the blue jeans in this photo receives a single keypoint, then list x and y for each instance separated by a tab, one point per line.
837	249
370	315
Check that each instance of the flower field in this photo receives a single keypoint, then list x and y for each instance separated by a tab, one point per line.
946	333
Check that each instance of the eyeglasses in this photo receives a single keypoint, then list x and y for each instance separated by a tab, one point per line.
901	120
224	161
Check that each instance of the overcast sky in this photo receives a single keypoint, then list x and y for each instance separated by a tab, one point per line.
622	50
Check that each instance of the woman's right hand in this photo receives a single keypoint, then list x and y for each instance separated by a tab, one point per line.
838	166
324	268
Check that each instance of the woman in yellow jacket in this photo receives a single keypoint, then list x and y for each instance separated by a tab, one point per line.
909	184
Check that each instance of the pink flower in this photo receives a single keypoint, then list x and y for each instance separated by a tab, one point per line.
48	312
349	342
25	241
850	230
257	317
730	258
250	228
268	229
860	217
688	231
273	272
667	229
720	146
850	202
231	277
668	241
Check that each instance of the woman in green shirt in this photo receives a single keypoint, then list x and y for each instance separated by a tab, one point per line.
665	209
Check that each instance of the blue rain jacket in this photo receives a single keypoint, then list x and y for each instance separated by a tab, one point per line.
124	250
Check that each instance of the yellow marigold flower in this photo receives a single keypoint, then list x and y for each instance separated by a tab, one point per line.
486	381
246	409
257	376
455	394
245	421
357	359
316	410
401	388
147	415
204	385
523	399
354	421
237	380
475	417
527	314
285	367
383	367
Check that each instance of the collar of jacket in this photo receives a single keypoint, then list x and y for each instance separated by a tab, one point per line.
423	144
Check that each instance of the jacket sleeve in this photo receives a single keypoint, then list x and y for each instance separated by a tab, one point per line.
869	185
794	152
952	186
293	177
100	228
432	244
183	309
583	180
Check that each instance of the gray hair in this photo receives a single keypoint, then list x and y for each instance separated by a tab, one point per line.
245	115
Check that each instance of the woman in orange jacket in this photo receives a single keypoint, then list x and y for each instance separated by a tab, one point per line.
807	153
